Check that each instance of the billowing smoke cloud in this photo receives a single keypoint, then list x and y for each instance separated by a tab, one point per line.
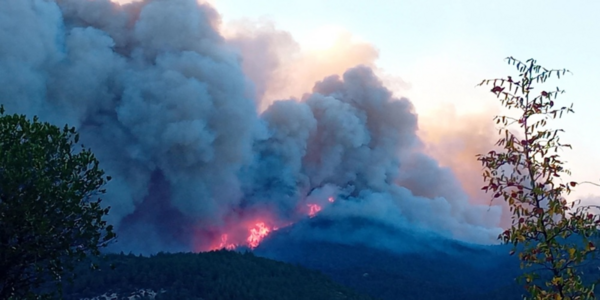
164	101
454	140
280	68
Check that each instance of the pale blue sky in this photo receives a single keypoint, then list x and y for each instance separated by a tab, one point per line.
458	43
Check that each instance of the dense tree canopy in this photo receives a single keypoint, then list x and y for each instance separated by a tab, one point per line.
50	213
556	237
211	275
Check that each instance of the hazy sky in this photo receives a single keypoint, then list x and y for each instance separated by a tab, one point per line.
443	48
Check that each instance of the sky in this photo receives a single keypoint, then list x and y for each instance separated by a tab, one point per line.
442	49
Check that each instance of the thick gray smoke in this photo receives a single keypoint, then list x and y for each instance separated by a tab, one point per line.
161	98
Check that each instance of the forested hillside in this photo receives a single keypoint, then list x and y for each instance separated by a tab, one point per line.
431	268
416	276
346	270
209	276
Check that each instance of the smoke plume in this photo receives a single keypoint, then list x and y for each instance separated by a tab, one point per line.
280	68
171	109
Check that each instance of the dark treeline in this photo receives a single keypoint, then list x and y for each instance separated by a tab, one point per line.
462	273
213	275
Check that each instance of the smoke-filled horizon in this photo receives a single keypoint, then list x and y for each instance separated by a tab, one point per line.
180	117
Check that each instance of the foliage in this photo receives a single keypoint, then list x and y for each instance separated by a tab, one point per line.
211	275
49	219
556	236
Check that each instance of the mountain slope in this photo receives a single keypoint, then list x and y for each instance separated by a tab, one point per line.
424	267
390	264
395	263
209	276
386	275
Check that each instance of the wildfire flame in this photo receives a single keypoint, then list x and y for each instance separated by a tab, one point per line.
257	234
251	234
224	243
313	209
